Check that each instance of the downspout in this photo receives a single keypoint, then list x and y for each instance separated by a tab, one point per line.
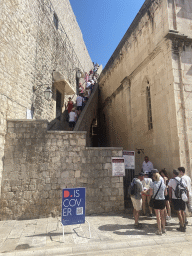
181	87
174	15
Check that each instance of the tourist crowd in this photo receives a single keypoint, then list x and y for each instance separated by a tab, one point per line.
161	193
74	109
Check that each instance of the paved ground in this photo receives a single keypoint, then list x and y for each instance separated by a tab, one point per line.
111	235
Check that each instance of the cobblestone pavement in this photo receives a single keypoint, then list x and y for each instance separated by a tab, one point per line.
110	235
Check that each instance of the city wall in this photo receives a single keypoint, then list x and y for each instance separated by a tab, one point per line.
38	164
32	46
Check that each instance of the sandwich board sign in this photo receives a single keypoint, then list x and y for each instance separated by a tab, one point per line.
73	206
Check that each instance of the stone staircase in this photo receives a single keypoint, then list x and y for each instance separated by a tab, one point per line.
85	120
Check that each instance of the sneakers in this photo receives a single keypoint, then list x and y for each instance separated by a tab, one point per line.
159	233
150	215
168	218
181	229
164	231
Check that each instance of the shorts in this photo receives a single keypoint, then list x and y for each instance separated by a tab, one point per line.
137	203
159	204
179	204
167	197
71	124
79	108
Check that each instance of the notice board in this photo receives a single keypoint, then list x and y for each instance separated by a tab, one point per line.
73	206
118	166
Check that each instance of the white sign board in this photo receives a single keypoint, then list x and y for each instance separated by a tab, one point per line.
129	157
118	166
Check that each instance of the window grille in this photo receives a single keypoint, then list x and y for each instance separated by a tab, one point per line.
55	20
149	110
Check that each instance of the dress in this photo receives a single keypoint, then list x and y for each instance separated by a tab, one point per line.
69	106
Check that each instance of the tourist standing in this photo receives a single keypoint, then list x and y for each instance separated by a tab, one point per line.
158	192
187	180
137	200
146	182
147	166
178	203
164	175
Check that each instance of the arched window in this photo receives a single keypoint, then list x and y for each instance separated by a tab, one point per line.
149	110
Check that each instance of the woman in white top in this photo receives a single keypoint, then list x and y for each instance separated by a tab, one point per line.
146	182
72	119
158	191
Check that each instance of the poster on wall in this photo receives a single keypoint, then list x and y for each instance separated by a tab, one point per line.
118	166
129	157
73	206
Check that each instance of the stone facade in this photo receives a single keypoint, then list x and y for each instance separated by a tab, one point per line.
36	38
38	164
153	60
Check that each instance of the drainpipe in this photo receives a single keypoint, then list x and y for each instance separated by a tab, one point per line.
181	87
174	15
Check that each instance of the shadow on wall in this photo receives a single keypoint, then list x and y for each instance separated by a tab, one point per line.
183	13
189	72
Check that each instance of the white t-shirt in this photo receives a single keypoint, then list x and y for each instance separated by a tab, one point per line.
173	183
88	85
147	167
72	116
146	182
79	101
187	180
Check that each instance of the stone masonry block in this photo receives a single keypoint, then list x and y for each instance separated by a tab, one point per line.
77	174
107	166
81	142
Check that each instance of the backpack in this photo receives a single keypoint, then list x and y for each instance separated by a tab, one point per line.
180	189
132	190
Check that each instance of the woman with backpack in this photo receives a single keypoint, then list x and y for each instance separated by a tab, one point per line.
158	191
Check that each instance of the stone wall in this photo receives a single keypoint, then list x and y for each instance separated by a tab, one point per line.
39	163
31	48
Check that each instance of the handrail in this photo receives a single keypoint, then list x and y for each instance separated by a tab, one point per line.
88	105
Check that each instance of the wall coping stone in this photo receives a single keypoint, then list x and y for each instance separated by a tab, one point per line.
26	120
104	148
64	132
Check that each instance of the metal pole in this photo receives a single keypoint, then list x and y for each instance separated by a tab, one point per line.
89	229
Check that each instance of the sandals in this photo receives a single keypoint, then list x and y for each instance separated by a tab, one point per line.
158	233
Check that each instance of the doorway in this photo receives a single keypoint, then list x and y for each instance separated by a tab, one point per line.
58	104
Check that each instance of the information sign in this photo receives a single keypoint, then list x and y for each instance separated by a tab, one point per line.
118	166
129	157
73	206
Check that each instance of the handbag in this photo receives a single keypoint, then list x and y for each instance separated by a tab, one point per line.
152	200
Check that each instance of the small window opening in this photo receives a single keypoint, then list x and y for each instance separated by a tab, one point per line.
55	20
149	110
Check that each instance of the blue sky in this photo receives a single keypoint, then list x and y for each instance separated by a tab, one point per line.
103	24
